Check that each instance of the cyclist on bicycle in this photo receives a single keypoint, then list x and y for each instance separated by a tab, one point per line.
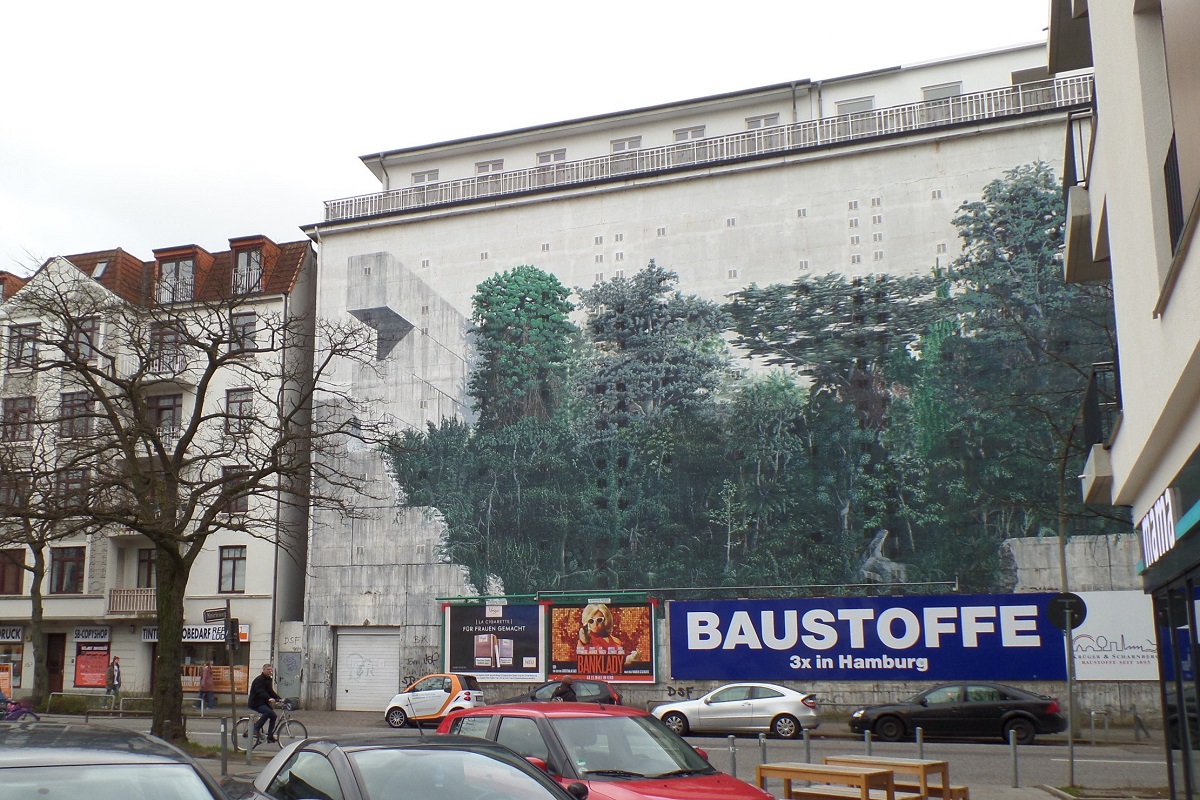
262	698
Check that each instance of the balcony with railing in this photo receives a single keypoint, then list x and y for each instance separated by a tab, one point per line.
1101	415
993	104
134	602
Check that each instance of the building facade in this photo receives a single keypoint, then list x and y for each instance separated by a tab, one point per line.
1133	205
211	341
855	175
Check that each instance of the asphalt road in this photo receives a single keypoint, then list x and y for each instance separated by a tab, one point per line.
1118	762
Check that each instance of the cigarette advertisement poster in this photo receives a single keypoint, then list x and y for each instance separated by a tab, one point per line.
495	642
91	662
602	640
930	638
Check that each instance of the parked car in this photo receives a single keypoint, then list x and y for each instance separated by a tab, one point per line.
744	708
380	766
56	759
969	709
617	752
586	691
431	698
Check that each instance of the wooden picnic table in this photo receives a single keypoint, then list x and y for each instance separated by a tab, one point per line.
843	780
920	768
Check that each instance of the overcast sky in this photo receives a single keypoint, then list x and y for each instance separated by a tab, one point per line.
150	124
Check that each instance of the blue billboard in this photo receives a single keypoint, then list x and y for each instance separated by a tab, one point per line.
945	637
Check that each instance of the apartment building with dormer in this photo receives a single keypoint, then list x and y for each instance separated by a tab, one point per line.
160	325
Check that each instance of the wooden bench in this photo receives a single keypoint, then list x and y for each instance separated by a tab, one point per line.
950	793
862	781
918	773
818	791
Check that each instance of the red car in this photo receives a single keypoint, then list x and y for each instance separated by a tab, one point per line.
619	753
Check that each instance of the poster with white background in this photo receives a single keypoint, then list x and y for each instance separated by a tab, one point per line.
1116	640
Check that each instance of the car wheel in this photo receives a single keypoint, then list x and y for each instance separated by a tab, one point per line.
889	729
676	722
396	717
1023	729
785	726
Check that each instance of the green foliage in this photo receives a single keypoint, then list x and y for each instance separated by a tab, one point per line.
524	340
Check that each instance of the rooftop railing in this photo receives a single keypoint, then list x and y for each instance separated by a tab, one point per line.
1009	101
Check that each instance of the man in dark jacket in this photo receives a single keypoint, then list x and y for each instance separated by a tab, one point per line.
565	691
262	697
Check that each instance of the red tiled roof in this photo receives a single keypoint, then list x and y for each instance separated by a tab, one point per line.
9	283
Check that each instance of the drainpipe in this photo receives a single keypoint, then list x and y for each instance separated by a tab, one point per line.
820	109
795	115
387	178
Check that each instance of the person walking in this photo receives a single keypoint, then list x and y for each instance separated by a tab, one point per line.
112	681
262	698
208	698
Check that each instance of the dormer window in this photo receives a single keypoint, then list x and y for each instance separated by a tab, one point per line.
176	280
247	276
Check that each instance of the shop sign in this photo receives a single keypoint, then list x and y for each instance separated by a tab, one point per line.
91	633
12	633
1157	528
198	633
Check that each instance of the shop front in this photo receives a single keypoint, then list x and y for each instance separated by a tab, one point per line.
206	643
1170	534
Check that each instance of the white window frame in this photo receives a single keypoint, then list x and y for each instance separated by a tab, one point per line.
489	167
548	158
688	134
761	121
176	280
625	145
247	272
424	177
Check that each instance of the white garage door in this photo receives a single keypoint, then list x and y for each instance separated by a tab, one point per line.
368	669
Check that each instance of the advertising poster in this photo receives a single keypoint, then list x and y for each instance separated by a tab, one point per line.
6	681
495	642
91	661
602	640
1116	640
944	637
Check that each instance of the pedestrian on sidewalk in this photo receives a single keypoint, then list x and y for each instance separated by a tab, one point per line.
208	698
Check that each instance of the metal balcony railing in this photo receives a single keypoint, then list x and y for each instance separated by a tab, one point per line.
1101	403
1008	101
132	601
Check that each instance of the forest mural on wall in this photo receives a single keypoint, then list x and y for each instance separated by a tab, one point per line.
904	427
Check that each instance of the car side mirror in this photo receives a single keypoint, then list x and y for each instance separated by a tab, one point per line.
577	790
925	701
537	762
707	701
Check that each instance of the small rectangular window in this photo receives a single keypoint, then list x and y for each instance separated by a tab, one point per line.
175	280
730	222
801	213
941	247
854	222
732	272
761	121
687	134
247	277
619	237
599	277
877	236
545	247
66	570
551	156
488	167
12	570
599	258
936	194
84	337
239	500
941	91
22	346
243	329
239	410
804	264
424	309
854	240
618	273
17	423
146	557
662	231
856	258
424	262
424	176
876	202
618	256
852	205
599	240
233	569
877	219
626	144
855	106
483	256
877	255
75	415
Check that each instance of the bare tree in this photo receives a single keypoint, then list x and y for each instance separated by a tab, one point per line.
176	418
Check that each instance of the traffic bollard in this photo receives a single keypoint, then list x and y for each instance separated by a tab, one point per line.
224	746
807	748
920	742
762	748
867	739
732	756
1012	742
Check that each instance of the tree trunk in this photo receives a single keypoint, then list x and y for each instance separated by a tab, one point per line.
172	576
37	633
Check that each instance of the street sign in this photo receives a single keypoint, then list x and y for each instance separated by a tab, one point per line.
1066	611
214	614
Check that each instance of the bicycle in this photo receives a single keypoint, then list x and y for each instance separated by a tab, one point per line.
14	711
287	728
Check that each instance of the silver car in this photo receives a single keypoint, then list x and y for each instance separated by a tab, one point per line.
744	707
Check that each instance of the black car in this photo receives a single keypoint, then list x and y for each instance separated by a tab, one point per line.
380	766
970	709
586	691
97	762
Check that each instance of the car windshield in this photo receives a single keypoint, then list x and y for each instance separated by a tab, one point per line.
626	747
443	773
105	782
